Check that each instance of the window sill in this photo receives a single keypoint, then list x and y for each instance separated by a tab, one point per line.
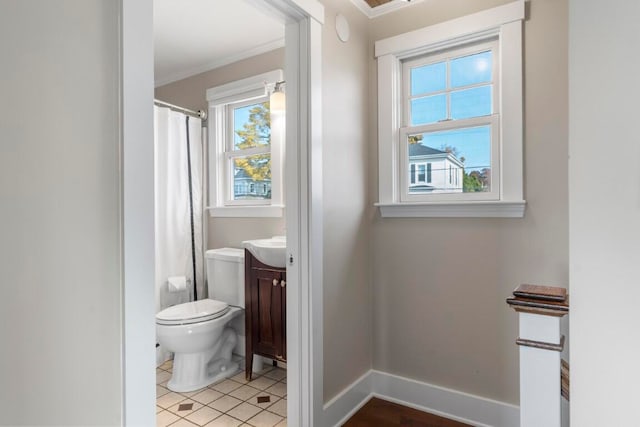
497	209
267	211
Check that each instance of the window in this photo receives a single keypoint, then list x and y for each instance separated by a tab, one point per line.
245	149
421	173
450	117
248	152
450	99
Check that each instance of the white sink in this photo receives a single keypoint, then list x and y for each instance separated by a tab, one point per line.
271	251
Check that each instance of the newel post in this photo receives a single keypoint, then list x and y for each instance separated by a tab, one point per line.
540	309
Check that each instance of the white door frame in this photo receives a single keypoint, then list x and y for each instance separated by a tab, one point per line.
303	172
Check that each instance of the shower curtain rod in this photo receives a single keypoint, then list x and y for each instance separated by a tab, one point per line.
200	113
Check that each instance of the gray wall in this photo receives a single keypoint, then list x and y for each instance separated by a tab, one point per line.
605	232
347	289
439	285
191	93
60	309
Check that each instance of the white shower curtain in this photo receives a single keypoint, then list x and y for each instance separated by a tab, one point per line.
172	212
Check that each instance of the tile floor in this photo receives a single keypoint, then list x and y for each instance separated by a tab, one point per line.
230	403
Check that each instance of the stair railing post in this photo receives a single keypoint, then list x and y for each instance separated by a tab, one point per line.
540	309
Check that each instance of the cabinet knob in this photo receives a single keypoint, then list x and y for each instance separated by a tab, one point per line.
283	283
275	282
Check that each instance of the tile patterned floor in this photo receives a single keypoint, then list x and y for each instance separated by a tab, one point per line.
230	403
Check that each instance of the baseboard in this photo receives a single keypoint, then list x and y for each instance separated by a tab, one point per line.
456	405
342	407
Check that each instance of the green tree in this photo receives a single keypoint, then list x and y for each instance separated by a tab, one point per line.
471	182
415	139
256	132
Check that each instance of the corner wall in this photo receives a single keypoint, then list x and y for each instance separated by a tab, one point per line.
347	209
439	285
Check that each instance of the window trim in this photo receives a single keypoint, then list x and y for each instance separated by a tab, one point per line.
220	99
503	22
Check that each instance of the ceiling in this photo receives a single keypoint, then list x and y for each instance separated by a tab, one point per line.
374	3
193	36
375	8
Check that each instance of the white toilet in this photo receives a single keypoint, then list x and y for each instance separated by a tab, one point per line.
198	332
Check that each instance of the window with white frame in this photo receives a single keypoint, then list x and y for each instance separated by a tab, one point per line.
450	117
245	149
450	122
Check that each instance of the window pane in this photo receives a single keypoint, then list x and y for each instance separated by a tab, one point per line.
471	102
251	126
457	161
427	79
429	109
471	69
252	177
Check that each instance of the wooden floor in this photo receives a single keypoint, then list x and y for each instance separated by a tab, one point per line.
380	413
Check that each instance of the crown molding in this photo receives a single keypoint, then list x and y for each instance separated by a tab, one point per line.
220	62
392	6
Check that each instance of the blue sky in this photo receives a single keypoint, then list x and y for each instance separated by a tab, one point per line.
472	143
456	89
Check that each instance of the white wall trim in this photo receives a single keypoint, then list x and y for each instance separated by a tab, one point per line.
489	209
469	24
457	405
452	404
220	62
270	211
290	11
136	126
342	407
312	8
238	89
374	12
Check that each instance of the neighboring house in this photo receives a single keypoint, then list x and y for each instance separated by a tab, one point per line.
434	171
244	187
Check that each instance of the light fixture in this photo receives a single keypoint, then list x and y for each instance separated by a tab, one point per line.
277	98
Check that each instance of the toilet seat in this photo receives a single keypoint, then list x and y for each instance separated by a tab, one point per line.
192	312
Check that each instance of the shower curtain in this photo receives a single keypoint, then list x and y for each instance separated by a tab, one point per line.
173	246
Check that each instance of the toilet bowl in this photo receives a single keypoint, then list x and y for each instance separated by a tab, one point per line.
201	340
198	332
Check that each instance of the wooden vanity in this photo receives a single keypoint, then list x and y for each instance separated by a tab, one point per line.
265	311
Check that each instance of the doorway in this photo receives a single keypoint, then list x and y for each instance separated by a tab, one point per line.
303	174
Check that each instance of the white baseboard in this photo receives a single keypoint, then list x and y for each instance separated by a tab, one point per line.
456	405
342	407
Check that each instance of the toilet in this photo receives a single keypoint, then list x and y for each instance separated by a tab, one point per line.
198	332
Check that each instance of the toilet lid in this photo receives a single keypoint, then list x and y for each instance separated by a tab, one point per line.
192	312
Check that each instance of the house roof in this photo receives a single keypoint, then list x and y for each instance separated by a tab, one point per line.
421	150
242	174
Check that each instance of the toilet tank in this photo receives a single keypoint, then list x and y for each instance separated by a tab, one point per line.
225	275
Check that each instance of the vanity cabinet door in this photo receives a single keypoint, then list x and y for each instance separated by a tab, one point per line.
266	313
